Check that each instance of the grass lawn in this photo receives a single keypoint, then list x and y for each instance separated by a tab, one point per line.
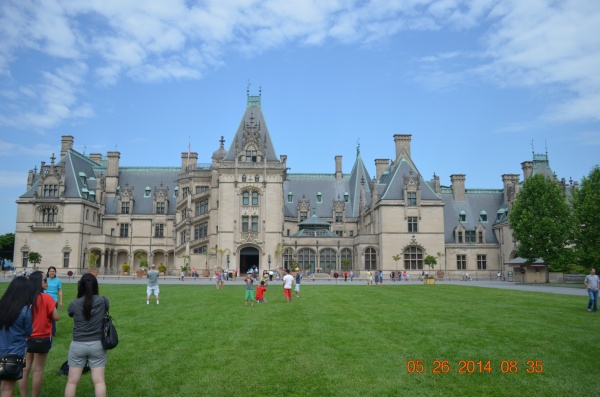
341	341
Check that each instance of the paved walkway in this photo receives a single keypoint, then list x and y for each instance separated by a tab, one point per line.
565	289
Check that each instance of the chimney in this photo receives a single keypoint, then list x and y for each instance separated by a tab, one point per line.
527	167
380	166
338	168
374	192
66	144
112	172
436	183
402	143
96	157
188	161
511	187
458	186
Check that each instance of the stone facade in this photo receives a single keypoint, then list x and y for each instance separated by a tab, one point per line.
244	209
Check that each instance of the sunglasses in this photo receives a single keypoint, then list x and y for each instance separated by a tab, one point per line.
45	280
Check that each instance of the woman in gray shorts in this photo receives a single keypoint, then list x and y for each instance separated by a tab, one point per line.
87	312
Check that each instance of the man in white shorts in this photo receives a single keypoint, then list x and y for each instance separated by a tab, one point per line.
152	287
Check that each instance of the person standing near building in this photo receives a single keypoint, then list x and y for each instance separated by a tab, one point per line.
86	347
591	282
288	281
15	327
55	291
152	287
298	281
40	342
249	288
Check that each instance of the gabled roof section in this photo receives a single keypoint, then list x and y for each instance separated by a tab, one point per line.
359	175
392	181
252	129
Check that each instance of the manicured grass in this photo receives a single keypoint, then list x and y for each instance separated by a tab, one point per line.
340	341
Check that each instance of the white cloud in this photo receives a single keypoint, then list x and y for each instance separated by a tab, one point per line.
37	150
525	43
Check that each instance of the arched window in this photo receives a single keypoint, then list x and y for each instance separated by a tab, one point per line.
370	259
413	258
327	259
288	255
306	259
347	256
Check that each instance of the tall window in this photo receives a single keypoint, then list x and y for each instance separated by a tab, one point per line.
483	217
125	207
245	223
413	224
287	258
245	198
66	257
327	259
411	199
251	156
49	214
338	217
50	191
481	262
124	230
160	208
159	230
303	215
462	216
25	258
347	255
413	258
480	237
254	198
307	259
201	207
459	237
469	236
370	259
182	237
461	262
290	197
200	230
255	223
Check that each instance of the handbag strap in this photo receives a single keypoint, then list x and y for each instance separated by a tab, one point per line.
105	304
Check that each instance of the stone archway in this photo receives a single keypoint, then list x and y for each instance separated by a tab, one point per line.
249	257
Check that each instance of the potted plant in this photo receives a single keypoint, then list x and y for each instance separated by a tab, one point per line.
35	259
162	269
430	261
126	268
92	261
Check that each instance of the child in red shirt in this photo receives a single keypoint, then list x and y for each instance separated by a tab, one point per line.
260	293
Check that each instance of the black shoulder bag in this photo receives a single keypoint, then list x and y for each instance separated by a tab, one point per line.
110	338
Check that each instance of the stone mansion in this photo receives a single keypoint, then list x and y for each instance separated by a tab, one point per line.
244	209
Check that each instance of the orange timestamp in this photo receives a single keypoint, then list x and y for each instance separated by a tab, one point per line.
475	366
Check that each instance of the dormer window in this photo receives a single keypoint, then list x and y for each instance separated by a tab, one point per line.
462	216
500	214
319	197
346	197
251	156
483	217
175	191
411	199
147	191
290	197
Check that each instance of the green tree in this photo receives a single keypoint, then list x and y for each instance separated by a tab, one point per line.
430	261
586	208
542	222
7	246
34	258
396	258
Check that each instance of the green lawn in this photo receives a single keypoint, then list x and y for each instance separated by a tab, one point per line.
341	341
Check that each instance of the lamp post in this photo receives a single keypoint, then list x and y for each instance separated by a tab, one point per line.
269	262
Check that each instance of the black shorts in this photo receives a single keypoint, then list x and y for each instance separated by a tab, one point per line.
39	345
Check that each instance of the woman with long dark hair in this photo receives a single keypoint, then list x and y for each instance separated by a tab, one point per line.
88	313
40	342
15	327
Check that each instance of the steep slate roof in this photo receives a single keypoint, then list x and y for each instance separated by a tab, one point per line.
391	182
476	200
141	177
253	116
78	168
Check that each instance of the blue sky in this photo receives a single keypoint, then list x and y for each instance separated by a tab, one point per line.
475	83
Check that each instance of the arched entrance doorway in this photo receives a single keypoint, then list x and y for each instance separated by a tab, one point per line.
248	258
